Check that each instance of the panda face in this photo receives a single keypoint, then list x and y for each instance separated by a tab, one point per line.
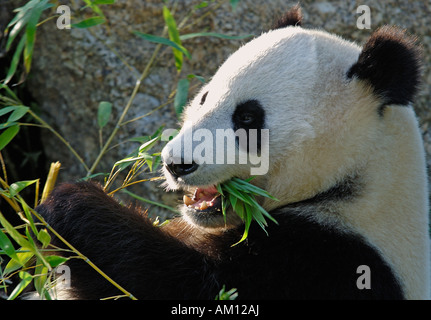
299	86
275	82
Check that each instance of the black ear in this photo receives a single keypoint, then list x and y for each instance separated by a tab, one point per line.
293	17
391	62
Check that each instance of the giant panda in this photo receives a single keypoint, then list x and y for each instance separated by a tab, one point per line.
346	164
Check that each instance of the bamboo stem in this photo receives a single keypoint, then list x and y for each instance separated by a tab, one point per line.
50	181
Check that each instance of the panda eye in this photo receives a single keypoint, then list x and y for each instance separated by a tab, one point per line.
246	118
248	115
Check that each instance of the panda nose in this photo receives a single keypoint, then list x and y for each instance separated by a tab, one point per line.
181	169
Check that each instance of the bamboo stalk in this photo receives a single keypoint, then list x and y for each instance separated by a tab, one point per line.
50	181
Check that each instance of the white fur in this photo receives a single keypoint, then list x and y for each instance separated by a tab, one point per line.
322	127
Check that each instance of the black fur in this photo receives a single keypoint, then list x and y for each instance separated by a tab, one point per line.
347	189
299	259
390	62
249	115
293	17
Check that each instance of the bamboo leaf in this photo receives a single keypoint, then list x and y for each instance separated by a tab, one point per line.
44	237
14	234
164	41
8	135
104	113
148	145
26	279
18	113
174	36
55	261
15	60
213	34
20	261
7	246
90	22
16	187
30	34
98	2
234	3
181	96
40	277
5	110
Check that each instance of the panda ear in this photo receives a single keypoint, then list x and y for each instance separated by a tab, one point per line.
390	62
293	17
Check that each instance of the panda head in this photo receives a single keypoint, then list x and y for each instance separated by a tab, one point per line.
309	106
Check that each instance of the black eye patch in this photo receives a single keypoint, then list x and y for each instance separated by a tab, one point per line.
249	115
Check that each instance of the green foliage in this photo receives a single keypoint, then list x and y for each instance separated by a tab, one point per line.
26	19
232	294
240	195
26	250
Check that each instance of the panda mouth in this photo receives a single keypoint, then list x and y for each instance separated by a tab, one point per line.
204	200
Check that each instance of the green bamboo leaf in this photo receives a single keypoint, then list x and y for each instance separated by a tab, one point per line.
104	112
98	2
224	206
40	278
264	212
26	279
236	193
6	110
213	34
251	188
8	125
9	91
55	261
44	237
234	3
181	96
19	238
174	36
219	189
30	34
19	22
14	234
194	76
15	60
90	22
16	187
148	145
21	259
247	222
7	246
18	113
238	207
164	41
201	5
8	135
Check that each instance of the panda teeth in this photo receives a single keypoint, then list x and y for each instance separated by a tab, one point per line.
188	201
204	205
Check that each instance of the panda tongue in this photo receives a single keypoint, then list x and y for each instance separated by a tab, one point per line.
205	193
202	198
